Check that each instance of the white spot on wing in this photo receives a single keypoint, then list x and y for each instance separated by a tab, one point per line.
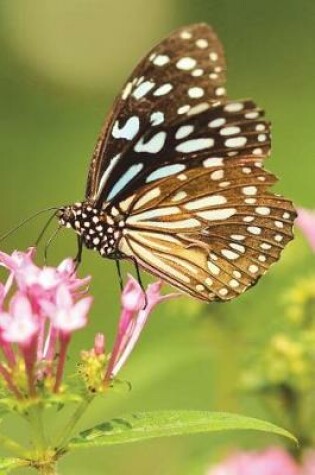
217	175
251	115
213	162
183	109
128	131
125	179
249	190
205	202
197	72
126	91
165	171
202	43
157	118
154	145
217	215
253	268
107	172
197	109
161	60
143	89
236	142
147	197
184	131
229	254
220	91
180	195
230	130
195	92
215	270
254	230
185	35
234	107
217	122
195	145
186	63
164	89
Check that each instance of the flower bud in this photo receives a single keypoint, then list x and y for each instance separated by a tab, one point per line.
99	344
133	298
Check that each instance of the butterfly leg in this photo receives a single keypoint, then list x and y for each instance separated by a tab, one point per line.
121	282
78	258
140	281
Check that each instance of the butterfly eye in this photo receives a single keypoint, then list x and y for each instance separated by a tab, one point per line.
65	215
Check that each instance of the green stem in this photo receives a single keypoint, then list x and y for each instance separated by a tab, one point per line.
76	416
48	469
12	446
35	418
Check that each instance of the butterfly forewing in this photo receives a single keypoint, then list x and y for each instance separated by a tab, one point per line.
183	73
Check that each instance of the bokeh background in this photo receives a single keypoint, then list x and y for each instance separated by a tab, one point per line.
61	63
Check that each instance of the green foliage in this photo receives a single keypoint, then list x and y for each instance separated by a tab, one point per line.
149	425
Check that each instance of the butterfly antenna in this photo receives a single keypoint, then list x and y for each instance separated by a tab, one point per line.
50	241
41	234
25	221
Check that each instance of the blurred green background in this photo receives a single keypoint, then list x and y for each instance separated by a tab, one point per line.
61	64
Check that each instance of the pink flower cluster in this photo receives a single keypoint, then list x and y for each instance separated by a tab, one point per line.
272	461
136	308
40	308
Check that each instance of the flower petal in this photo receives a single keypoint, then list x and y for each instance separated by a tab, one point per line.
306	222
132	297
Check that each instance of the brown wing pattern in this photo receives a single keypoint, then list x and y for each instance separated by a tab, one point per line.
212	233
183	166
185	70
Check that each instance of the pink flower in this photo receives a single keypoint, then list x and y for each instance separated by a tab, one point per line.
306	222
67	315
272	461
20	324
136	308
45	306
309	463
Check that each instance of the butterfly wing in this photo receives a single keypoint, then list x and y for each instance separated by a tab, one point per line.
183	165
210	232
185	70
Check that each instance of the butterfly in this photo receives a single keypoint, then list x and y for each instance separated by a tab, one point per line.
176	182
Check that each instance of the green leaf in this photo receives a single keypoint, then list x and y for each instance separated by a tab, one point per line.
149	425
7	464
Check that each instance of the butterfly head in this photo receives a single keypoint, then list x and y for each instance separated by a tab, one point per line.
67	216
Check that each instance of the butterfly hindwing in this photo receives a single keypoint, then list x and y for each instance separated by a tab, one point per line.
212	232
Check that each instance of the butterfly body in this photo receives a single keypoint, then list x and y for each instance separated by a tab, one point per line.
98	230
177	182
